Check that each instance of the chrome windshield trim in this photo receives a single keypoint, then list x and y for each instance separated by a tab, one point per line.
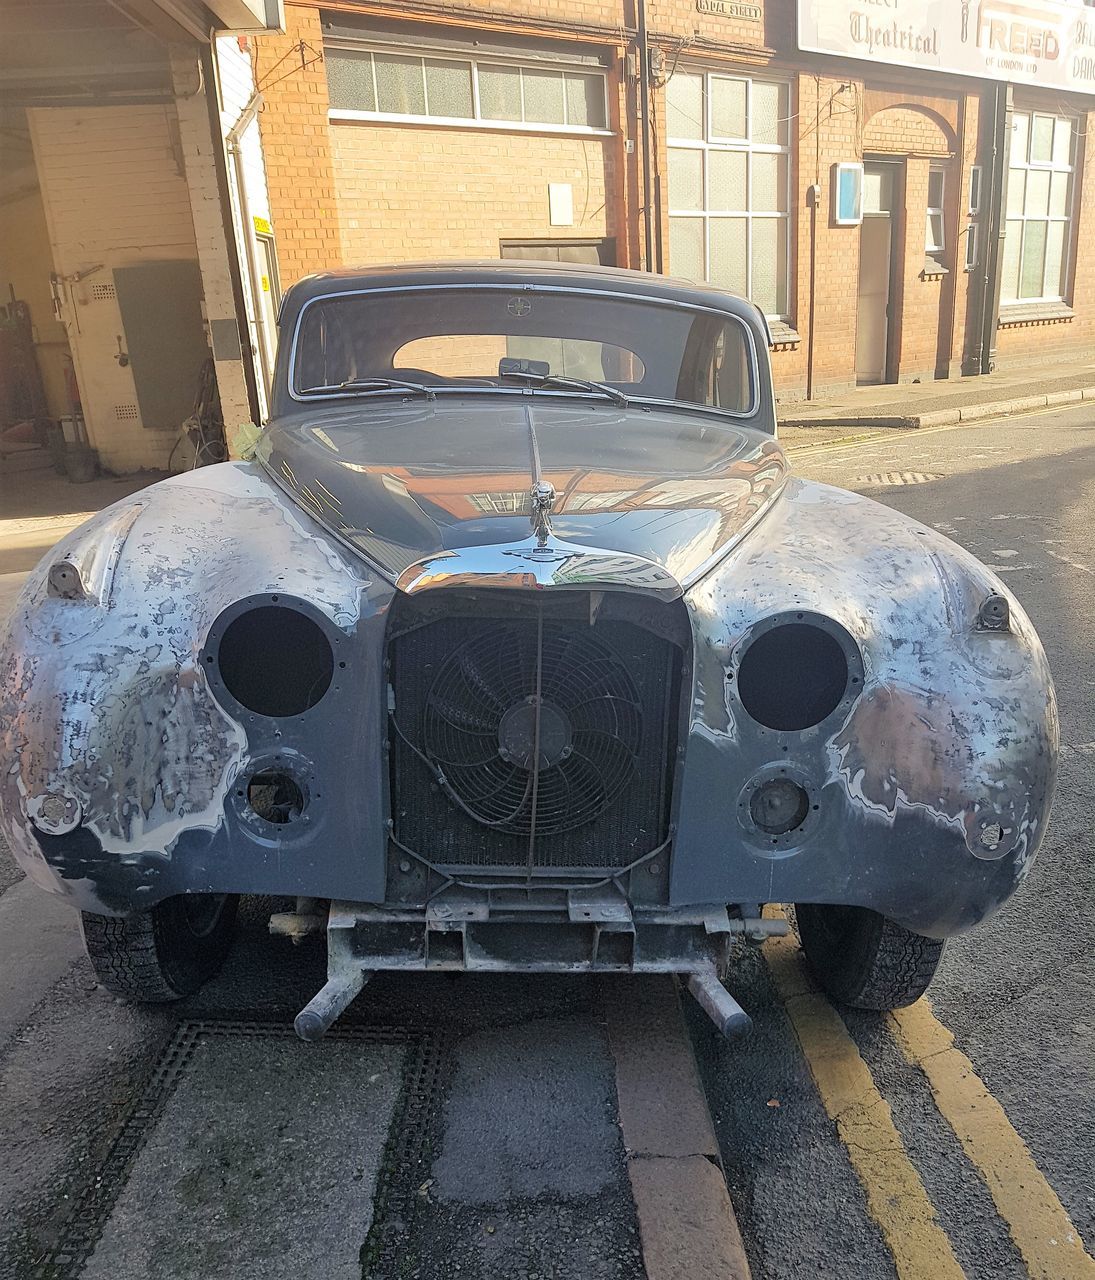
618	295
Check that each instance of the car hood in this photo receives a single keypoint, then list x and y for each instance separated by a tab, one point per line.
437	492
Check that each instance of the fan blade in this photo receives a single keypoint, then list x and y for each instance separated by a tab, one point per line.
612	705
476	681
587	785
463	719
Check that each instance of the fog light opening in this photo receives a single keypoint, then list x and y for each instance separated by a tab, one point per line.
275	796
793	676
779	806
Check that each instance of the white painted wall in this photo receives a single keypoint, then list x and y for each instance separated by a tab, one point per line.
250	199
199	145
115	193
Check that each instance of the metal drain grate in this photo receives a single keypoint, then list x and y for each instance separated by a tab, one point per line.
82	1230
407	1158
886	478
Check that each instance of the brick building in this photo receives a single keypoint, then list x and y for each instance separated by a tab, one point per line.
495	128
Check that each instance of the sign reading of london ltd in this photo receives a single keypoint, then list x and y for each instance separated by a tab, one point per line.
1046	42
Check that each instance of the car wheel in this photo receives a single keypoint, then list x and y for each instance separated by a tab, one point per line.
164	953
864	959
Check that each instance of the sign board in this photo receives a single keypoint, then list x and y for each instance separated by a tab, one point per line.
1042	42
730	9
262	226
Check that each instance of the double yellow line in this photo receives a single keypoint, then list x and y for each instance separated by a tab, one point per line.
897	1200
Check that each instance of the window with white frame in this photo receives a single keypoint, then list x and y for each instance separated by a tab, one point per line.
1038	231
935	233
729	181
375	84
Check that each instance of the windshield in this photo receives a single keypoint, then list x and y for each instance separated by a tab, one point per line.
517	340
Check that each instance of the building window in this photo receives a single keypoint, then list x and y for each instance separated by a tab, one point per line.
975	190
973	245
372	84
500	504
729	180
594	253
1038	231
935	234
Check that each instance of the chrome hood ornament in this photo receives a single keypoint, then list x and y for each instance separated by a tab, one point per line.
543	499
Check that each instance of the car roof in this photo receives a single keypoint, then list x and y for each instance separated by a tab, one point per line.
516	273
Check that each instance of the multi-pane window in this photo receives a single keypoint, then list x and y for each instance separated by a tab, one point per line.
1039	207
374	83
729	178
934	236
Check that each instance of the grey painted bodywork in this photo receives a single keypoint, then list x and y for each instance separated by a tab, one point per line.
932	779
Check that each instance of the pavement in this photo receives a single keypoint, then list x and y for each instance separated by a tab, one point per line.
834	417
501	1126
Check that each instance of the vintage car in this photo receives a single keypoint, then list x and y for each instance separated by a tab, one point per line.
516	645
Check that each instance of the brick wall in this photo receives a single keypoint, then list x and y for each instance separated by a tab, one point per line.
354	192
295	139
407	193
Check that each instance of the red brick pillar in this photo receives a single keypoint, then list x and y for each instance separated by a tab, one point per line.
296	142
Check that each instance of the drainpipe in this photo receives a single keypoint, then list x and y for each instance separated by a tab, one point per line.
813	199
999	151
644	116
232	142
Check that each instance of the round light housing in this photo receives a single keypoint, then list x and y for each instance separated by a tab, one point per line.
778	806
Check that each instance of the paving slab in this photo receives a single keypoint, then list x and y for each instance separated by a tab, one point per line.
688	1227
662	1108
39	940
263	1162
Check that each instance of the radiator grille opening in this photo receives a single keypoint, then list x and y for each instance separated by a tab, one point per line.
528	735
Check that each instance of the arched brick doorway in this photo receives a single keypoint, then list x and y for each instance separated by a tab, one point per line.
906	250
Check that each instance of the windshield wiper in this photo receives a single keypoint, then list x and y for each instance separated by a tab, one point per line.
557	380
372	384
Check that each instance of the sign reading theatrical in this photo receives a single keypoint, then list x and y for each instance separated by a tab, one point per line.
1047	42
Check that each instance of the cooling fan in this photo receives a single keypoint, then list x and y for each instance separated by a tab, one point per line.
504	754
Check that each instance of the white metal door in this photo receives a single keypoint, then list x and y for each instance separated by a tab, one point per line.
872	337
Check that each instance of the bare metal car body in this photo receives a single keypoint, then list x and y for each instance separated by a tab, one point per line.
659	621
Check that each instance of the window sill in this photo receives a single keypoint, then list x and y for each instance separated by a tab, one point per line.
440	122
1013	315
934	269
781	337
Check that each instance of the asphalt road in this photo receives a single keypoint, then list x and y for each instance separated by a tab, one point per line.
513	1164
1019	992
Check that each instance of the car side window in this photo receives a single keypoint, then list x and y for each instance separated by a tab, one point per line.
716	369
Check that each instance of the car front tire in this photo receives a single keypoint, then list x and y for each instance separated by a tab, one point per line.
864	959
165	953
